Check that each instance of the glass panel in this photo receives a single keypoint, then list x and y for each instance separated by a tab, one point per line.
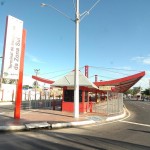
69	96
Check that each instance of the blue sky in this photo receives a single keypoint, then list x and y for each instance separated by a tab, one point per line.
114	37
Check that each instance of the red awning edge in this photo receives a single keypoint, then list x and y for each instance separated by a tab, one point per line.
122	84
43	80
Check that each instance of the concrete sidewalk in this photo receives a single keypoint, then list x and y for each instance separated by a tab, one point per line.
51	119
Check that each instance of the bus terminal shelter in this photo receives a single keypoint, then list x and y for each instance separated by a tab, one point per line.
114	94
112	99
85	86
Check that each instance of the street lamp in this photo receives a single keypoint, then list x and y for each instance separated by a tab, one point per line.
78	18
76	76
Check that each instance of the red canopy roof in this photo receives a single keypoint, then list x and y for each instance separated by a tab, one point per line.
42	79
122	84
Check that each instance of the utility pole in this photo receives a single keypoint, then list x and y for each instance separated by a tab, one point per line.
36	73
1	74
78	18
76	76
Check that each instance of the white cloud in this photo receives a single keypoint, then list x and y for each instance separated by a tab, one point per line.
143	60
148	73
144	82
146	61
34	59
27	80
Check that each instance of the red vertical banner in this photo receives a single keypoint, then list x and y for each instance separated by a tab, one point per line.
20	80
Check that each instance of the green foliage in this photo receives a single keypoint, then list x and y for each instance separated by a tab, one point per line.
130	91
26	87
9	81
146	92
133	91
136	90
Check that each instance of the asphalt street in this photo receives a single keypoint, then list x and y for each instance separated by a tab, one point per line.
130	133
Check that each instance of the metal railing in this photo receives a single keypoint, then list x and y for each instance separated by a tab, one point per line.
53	104
112	105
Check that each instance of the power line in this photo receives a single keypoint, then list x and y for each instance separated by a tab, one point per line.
69	69
114	68
102	76
56	71
110	70
59	75
88	12
74	5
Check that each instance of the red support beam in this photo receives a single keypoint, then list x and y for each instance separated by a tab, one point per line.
20	80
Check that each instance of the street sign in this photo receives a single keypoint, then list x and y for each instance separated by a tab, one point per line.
107	88
12	48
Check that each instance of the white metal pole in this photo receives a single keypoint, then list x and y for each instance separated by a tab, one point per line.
1	73
76	76
77	20
149	86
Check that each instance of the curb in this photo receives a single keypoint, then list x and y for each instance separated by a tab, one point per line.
117	117
12	128
71	124
40	125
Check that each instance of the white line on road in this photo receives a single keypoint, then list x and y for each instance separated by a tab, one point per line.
140	124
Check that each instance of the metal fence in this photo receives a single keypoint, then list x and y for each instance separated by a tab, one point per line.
112	105
53	104
37	100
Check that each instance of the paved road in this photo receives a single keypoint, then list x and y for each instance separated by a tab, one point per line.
132	133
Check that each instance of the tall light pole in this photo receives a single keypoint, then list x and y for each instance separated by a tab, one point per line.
36	73
78	18
76	76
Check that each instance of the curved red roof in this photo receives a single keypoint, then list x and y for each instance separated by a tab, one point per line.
122	84
43	80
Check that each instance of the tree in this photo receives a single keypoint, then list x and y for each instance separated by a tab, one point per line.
136	90
9	81
35	84
130	91
146	92
26	87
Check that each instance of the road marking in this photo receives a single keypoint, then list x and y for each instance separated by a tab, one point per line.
100	124
140	124
129	114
